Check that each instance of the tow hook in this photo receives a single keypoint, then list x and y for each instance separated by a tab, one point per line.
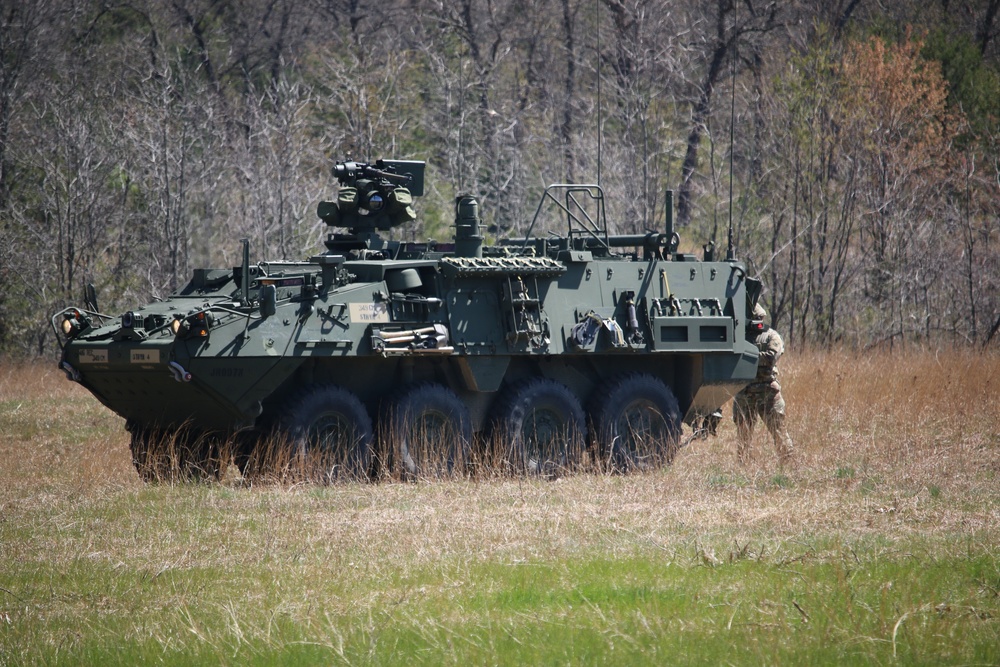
72	374
180	375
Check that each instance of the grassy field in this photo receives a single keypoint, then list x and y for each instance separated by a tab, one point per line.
880	545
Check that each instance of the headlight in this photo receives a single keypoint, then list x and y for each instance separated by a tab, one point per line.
74	322
177	325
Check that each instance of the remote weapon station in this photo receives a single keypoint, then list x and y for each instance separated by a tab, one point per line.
548	351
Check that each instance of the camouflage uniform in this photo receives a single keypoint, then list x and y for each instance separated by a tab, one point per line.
762	397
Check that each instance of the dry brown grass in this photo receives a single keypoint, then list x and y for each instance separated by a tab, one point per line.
55	435
893	443
923	418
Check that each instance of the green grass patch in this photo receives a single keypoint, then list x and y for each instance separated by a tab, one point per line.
869	485
844	472
193	574
721	479
781	481
638	610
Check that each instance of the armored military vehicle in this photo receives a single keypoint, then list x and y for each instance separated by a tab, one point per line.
556	348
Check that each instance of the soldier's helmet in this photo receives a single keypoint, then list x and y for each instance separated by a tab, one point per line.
759	313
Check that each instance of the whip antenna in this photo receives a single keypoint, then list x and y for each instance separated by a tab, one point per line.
730	250
599	133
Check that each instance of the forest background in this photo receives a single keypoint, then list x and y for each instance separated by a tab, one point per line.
140	139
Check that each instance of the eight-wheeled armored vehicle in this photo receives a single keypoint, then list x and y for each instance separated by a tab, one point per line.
556	348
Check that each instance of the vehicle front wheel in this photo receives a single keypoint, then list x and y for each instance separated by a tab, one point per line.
329	433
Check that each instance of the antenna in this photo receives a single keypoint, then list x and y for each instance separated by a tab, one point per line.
730	250
461	124
599	133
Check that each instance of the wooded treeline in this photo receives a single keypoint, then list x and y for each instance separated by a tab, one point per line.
142	138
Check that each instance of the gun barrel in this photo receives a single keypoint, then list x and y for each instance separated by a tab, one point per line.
389	176
633	240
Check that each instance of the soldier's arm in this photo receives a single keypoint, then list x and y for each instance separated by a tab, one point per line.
772	348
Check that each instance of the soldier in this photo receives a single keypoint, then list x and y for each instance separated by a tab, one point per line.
763	396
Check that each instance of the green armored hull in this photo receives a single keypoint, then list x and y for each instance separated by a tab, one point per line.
556	350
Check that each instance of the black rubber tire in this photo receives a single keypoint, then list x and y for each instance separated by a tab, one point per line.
428	430
330	433
636	423
540	426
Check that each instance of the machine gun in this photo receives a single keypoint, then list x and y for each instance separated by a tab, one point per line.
374	197
384	172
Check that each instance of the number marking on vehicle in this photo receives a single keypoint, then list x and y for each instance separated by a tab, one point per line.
369	312
145	357
94	356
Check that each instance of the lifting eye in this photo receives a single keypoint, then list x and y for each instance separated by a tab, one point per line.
193	326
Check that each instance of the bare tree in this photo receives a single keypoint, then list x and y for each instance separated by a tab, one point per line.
269	164
731	23
644	57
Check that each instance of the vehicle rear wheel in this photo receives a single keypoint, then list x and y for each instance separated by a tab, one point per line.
329	433
637	422
429	431
541	425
